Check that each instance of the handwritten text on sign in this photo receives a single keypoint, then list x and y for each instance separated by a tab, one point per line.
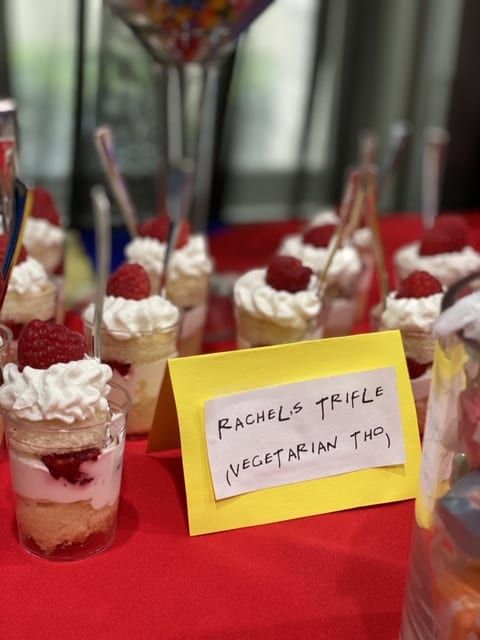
303	430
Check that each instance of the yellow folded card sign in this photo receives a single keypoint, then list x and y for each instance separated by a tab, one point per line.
281	432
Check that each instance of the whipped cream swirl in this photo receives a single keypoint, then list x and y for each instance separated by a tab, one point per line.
362	238
125	319
68	392
326	216
40	231
191	260
252	293
344	268
28	276
417	314
447	267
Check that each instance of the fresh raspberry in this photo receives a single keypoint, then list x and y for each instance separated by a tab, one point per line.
22	256
67	465
286	273
455	225
129	281
441	240
73	321
416	369
42	344
419	284
44	207
320	236
158	226
122	368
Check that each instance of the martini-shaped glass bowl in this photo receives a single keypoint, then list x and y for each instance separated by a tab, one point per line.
182	31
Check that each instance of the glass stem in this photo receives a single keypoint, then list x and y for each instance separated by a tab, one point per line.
205	150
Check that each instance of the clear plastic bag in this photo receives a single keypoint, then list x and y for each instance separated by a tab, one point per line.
443	590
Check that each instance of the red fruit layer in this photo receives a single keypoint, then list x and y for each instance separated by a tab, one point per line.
286	273
15	328
44	207
123	368
42	344
67	465
319	236
415	369
158	227
129	281
419	284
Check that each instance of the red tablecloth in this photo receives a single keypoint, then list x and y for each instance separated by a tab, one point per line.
337	576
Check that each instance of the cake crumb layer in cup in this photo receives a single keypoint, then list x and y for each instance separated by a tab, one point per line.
66	480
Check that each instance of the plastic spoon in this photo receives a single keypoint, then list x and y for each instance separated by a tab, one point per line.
106	150
400	133
435	150
179	193
103	250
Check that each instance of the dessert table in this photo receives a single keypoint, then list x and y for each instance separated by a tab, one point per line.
335	576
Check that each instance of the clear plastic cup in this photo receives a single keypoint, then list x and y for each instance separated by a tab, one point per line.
139	363
342	309
364	285
66	481
190	295
260	332
5	356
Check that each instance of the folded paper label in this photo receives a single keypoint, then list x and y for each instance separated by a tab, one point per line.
292	430
290	433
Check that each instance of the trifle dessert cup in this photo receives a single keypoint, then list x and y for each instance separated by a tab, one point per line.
188	275
340	292
31	294
443	252
44	239
65	428
44	236
138	335
361	238
414	309
277	305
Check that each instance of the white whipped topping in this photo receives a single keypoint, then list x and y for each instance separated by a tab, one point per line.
28	277
411	313
69	392
252	293
149	252
324	217
191	260
40	231
344	268
447	267
362	237
128	318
